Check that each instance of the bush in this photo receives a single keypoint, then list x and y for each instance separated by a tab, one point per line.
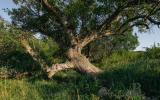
153	53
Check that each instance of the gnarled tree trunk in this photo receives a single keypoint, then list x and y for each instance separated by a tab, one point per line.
76	60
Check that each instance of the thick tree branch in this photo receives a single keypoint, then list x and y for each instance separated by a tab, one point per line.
59	67
150	19
62	19
94	36
56	11
120	9
153	11
133	25
113	16
50	70
107	22
153	21
33	54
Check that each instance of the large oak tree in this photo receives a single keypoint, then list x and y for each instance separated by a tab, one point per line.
73	24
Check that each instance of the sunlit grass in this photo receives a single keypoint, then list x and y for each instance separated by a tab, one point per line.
128	76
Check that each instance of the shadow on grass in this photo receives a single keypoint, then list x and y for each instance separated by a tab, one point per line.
19	61
144	74
66	86
119	82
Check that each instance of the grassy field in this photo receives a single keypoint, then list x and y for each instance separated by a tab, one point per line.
127	76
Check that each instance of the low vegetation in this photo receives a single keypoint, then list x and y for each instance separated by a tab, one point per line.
129	75
84	51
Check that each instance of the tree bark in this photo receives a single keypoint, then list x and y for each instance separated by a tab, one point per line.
76	61
35	56
59	67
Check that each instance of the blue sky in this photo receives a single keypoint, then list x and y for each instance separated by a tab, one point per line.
146	39
6	4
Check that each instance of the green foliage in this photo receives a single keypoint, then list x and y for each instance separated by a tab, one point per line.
47	49
85	89
153	53
129	76
133	67
9	46
105	47
120	57
14	57
84	16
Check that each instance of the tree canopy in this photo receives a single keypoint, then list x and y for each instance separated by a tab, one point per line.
73	24
66	19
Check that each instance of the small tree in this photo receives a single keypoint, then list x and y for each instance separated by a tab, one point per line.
73	24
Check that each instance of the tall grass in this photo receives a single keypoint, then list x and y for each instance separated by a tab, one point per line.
128	76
